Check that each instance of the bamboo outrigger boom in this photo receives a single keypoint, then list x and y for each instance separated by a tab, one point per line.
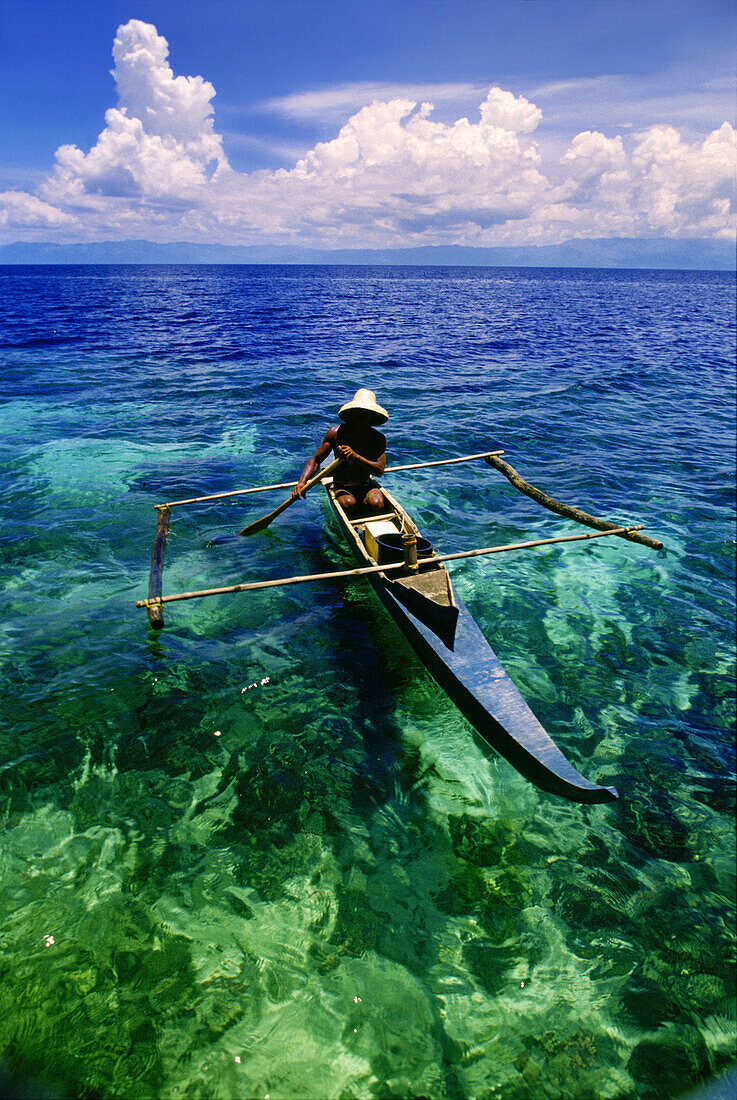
566	510
164	513
252	586
493	458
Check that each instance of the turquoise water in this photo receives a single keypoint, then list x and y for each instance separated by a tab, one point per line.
261	853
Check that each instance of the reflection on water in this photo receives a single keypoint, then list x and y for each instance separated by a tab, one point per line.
262	853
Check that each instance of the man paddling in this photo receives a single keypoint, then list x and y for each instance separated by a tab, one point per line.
363	451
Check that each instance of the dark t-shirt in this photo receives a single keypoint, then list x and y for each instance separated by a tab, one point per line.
369	444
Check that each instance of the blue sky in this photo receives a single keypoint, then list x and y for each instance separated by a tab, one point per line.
622	97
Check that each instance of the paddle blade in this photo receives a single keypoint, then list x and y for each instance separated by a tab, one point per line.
263	523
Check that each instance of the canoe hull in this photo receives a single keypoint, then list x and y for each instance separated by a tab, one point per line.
467	668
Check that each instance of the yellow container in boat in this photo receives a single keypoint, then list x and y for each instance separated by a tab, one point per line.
373	530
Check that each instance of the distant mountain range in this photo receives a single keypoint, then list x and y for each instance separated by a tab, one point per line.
662	253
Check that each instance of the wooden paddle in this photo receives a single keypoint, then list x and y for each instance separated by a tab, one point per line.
263	523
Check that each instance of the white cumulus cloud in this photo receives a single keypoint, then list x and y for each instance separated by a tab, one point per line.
664	187
686	188
336	104
393	174
158	143
19	209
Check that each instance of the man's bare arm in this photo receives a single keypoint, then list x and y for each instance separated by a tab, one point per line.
314	463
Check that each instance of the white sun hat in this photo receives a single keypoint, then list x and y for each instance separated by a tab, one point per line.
366	400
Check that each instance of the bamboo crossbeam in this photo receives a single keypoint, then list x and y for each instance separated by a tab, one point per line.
567	510
231	493
252	586
440	462
535	542
291	484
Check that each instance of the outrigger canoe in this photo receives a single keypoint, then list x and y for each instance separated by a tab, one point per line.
447	640
418	594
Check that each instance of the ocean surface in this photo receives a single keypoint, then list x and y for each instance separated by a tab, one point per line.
261	854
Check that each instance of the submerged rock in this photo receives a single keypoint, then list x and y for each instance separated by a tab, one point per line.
670	1062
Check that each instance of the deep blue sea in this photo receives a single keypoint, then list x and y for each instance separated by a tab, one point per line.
261	854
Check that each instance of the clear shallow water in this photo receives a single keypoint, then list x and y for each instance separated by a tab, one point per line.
261	853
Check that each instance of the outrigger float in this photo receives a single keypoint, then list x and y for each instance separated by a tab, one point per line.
412	581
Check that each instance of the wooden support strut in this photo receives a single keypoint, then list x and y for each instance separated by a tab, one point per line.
155	618
409	550
567	510
252	586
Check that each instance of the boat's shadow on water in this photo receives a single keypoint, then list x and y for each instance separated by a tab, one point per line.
381	816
